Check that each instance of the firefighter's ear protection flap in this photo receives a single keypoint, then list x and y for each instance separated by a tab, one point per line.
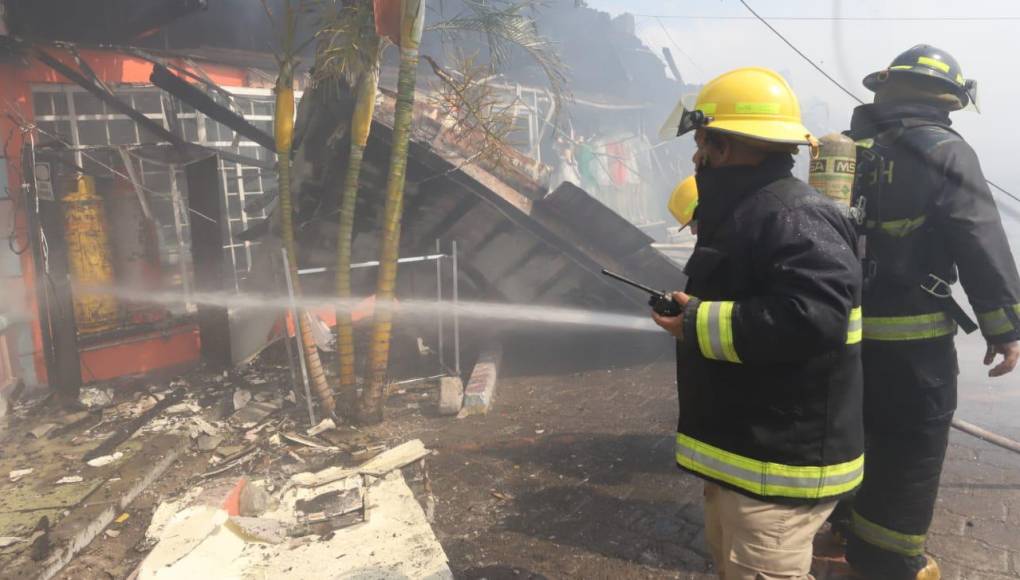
971	89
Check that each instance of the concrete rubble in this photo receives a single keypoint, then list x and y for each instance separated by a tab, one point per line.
230	467
366	516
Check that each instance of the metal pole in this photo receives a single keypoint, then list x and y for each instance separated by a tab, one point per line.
297	334
439	303
456	313
290	356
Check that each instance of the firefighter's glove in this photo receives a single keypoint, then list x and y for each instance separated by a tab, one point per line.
673	324
1010	352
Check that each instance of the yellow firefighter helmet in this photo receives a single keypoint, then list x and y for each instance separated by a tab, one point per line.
684	200
752	102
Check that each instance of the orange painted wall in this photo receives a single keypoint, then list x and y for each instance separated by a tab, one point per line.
16	80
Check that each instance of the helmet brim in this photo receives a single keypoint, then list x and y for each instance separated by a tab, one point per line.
771	131
875	80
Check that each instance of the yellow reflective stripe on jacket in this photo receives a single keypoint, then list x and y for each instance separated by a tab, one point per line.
997	321
855	330
765	478
876	535
715	331
920	327
899	228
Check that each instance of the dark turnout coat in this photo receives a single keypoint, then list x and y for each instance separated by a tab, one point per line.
768	369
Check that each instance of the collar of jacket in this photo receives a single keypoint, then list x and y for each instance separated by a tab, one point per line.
871	119
721	189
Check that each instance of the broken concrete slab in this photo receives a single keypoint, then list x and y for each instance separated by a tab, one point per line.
396	542
328	475
481	387
399	456
451	395
378	466
259	529
185	532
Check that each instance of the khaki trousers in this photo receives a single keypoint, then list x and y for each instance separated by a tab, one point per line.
756	540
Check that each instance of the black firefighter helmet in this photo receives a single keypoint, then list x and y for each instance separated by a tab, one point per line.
926	61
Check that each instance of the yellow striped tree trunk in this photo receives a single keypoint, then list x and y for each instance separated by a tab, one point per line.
284	128
412	19
368	85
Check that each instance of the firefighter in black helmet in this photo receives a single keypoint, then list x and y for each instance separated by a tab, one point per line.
927	219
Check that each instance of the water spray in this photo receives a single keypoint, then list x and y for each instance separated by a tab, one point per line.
489	311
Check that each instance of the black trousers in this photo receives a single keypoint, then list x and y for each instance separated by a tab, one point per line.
909	400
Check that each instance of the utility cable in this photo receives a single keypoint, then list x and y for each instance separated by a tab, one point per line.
802	55
840	85
677	46
837	18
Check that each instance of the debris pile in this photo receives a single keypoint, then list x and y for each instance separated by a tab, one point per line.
240	472
364	516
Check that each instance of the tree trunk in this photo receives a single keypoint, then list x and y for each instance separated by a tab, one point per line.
284	126
361	127
412	18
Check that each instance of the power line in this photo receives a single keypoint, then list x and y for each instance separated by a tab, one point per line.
840	85
997	186
802	55
839	18
677	46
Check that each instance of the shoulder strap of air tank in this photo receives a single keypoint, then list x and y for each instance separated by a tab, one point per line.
936	287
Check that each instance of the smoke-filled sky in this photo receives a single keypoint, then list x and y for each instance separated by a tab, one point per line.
709	37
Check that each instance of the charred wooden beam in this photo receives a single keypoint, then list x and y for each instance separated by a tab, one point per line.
111	100
192	95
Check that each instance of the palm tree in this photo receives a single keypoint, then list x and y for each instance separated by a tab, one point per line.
412	19
284	133
350	48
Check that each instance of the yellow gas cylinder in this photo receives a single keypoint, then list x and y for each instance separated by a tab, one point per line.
832	173
89	257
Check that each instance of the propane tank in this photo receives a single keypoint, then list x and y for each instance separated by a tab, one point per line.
832	173
89	257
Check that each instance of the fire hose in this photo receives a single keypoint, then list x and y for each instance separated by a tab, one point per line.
986	435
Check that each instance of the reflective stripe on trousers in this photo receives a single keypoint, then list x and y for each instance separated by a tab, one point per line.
765	478
918	327
876	535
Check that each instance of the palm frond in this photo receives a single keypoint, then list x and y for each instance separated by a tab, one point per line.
478	115
506	25
348	45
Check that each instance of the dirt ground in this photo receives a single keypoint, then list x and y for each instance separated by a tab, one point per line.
571	475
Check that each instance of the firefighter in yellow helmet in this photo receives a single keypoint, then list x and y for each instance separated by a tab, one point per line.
768	353
683	201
